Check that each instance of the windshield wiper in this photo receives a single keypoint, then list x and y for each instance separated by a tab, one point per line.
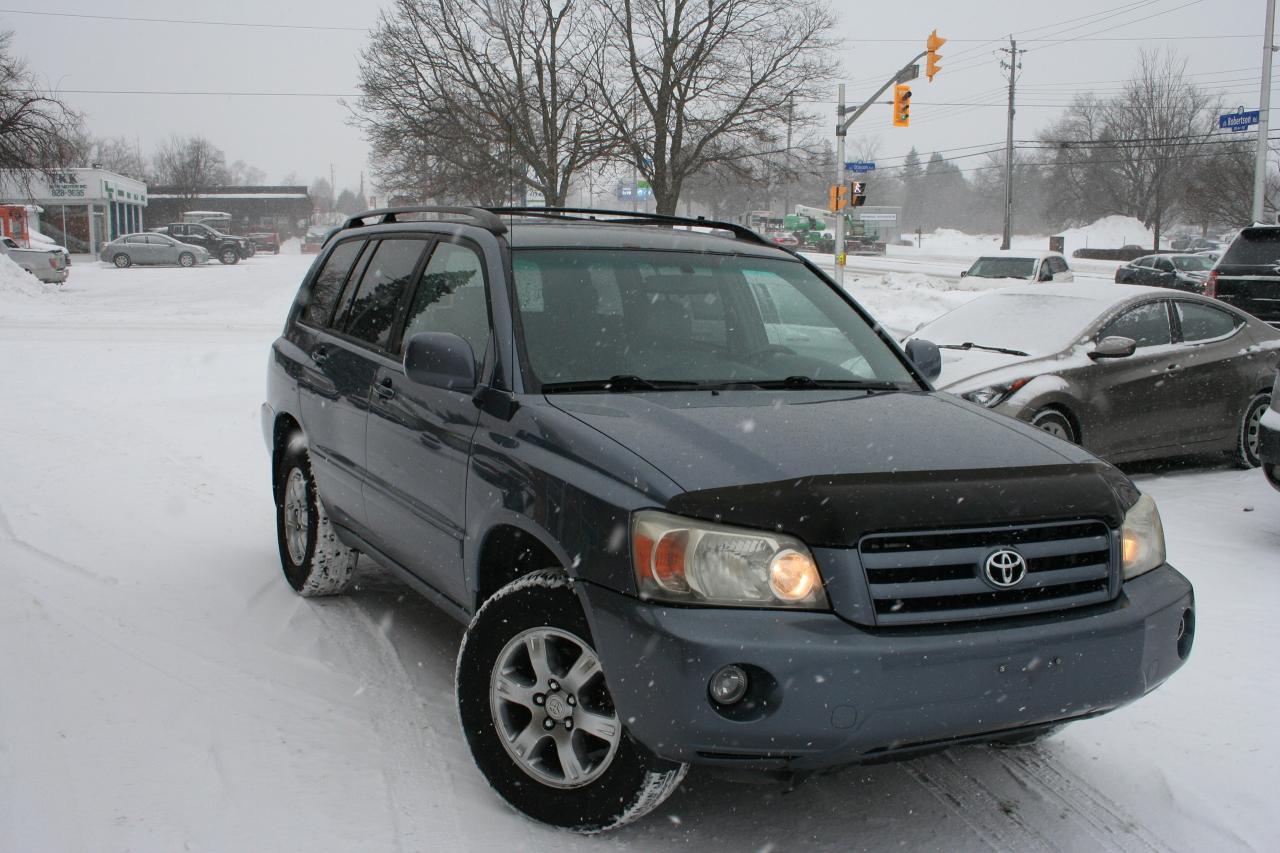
968	345
619	384
806	382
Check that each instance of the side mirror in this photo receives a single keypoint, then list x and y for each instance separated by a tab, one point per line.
964	273
926	356
441	360
1114	347
1045	275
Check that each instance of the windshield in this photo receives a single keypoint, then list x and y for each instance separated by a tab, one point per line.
1032	323
676	317
1003	267
1255	246
1192	263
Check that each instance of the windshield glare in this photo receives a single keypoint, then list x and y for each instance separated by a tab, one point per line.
1003	267
663	316
1033	323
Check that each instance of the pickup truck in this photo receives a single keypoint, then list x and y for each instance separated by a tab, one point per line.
49	265
224	247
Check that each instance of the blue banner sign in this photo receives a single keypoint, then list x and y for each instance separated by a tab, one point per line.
859	166
1238	120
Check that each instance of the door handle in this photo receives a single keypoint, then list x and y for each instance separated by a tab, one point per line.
320	354
385	389
1172	367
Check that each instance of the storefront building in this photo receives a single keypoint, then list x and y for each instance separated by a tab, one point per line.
81	209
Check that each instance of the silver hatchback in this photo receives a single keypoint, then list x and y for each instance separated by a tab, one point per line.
151	249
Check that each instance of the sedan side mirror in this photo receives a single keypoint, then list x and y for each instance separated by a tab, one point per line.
964	273
441	360
926	356
1114	347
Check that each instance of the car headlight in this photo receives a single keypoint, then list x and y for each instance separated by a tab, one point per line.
993	395
1141	539
696	562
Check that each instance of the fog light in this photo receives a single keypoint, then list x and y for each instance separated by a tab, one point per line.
729	685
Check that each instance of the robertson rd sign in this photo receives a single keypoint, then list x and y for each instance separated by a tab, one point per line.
1239	120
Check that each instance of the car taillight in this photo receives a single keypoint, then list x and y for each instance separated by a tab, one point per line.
1211	284
53	262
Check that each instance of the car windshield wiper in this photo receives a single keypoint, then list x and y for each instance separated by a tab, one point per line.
805	382
620	384
967	345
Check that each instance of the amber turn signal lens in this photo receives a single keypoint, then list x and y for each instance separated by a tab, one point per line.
792	575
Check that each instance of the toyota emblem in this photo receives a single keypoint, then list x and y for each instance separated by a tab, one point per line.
1005	568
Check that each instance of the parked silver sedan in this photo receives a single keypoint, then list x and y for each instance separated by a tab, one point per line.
151	249
1129	372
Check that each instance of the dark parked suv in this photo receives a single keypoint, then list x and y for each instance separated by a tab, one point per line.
694	506
1248	273
225	247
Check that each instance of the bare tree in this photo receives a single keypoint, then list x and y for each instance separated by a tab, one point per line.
686	84
190	166
490	88
241	174
38	132
115	154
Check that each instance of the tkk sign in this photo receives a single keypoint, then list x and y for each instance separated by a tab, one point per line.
1238	121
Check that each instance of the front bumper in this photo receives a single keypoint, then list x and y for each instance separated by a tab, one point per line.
825	692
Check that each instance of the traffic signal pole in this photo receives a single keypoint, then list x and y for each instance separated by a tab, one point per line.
1264	116
908	72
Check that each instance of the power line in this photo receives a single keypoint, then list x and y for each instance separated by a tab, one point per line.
188	21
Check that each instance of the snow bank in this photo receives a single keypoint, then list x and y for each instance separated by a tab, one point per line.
15	282
904	301
1110	232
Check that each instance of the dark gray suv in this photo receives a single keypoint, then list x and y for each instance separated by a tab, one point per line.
694	506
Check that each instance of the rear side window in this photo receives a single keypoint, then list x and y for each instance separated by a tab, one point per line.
1164	265
1255	246
328	283
1147	324
451	297
1204	322
377	301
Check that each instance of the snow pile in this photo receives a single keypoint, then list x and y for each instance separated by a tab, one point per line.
17	282
904	301
1109	232
951	240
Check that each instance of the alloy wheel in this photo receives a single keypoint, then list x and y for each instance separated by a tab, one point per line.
297	517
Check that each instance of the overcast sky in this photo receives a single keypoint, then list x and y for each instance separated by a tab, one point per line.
283	134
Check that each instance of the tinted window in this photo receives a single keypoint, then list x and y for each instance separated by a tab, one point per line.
328	283
135	239
1255	246
1004	267
1147	324
159	240
1192	263
1056	265
1163	265
377	301
1203	322
451	298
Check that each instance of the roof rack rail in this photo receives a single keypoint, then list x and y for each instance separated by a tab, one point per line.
484	218
741	232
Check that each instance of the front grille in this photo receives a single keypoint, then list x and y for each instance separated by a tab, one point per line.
939	576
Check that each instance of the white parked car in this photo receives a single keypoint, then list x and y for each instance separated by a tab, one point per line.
1024	266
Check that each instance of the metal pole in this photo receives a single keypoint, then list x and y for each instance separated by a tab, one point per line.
838	265
1264	116
1008	149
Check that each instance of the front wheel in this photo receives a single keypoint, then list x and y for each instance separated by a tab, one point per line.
229	256
539	718
122	261
1249	433
186	259
1055	423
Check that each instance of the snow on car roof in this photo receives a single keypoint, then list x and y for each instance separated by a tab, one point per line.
1103	293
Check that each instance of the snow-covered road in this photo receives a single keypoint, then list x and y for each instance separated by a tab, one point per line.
162	689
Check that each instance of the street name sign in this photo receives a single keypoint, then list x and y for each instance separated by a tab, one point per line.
1238	121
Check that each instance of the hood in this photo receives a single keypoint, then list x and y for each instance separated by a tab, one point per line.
959	365
830	468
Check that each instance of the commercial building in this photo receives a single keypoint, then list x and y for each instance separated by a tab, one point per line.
79	208
285	210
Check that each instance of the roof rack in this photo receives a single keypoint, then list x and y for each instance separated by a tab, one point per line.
741	232
484	218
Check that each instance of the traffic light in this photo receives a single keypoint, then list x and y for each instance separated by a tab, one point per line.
838	198
932	44
857	193
901	105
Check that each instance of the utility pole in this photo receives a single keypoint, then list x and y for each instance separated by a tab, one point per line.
1013	65
842	128
786	194
1264	115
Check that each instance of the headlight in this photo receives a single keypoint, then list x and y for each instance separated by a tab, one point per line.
695	562
993	395
1141	539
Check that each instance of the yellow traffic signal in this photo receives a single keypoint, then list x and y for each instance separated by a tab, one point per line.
932	44
838	198
901	105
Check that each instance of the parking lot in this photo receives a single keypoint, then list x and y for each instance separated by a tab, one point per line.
164	689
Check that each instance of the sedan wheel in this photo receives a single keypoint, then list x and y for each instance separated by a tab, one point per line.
122	261
1250	435
1055	423
186	259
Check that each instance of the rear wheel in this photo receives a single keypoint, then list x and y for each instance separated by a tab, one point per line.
122	261
1055	422
313	560
186	259
1249	433
540	720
